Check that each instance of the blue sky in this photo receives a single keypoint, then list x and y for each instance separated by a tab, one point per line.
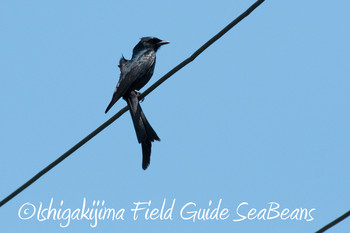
261	116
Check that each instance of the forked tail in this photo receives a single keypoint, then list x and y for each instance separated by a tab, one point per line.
144	131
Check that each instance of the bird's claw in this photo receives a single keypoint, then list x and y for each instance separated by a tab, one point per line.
138	93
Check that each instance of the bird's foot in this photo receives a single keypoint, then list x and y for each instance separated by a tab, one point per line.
138	93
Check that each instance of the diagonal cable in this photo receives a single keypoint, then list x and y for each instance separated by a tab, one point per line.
334	222
123	110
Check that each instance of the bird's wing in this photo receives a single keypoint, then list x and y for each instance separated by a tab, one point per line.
136	69
131	71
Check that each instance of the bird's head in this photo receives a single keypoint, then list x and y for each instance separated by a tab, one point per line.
149	43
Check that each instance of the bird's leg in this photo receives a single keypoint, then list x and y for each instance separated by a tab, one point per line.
138	93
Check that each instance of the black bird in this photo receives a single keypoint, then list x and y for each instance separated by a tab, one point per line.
134	74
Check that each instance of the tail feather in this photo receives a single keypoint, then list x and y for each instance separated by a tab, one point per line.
144	131
152	135
146	154
136	111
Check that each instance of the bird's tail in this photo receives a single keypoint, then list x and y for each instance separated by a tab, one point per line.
144	131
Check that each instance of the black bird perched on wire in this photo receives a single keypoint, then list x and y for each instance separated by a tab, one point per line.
134	74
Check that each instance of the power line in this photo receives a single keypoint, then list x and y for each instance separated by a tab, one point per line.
331	224
123	110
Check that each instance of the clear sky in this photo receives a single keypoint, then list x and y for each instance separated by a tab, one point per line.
261	116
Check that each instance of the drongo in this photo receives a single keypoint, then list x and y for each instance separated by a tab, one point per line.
134	74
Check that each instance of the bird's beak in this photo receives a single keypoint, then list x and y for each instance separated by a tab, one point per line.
163	42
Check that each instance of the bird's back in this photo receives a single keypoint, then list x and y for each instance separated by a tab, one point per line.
136	73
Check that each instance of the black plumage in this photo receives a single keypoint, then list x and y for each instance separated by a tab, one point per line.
134	74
